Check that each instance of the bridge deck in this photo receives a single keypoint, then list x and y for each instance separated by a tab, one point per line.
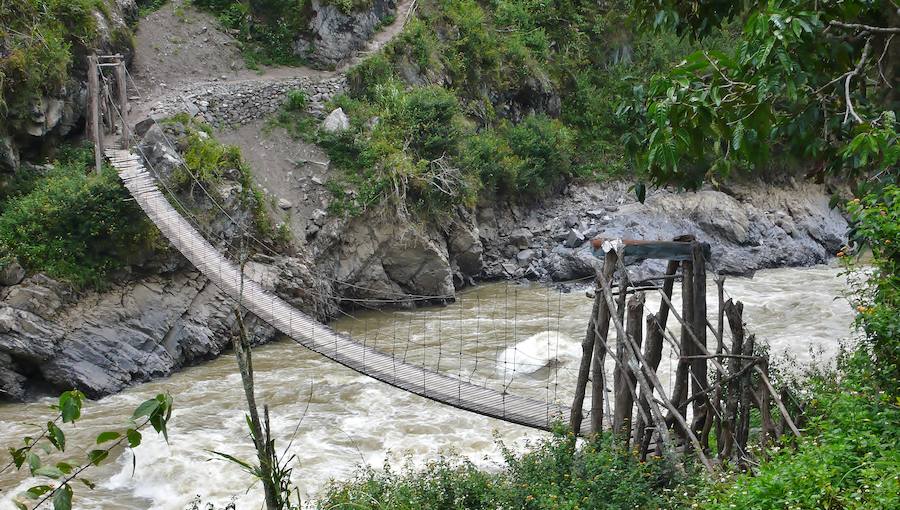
312	334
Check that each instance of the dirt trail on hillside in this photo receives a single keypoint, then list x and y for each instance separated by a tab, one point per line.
179	48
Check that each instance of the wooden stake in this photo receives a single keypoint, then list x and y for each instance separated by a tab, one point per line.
598	374
624	410
93	112
122	90
656	326
645	379
699	381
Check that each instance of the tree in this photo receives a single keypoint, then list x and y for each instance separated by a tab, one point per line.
809	79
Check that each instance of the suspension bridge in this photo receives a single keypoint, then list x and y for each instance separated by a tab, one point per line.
633	408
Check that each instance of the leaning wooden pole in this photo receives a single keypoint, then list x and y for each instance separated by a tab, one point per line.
601	330
587	350
656	325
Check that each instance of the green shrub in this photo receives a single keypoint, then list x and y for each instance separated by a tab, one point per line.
296	101
554	474
528	158
73	224
876	225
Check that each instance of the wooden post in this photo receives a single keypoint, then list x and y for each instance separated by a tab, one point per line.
699	381
598	375
622	420
619	373
587	349
93	112
682	372
765	410
121	86
717	398
743	427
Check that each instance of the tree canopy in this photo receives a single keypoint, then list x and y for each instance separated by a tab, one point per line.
809	80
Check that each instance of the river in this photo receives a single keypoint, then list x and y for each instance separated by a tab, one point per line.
348	420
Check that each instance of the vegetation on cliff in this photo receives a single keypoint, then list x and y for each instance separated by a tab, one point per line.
71	223
42	42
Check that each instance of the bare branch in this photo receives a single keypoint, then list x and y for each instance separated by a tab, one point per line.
855	72
868	28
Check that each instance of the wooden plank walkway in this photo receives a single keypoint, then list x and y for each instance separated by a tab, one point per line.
312	334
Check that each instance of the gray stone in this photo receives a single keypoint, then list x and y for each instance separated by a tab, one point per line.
335	34
285	204
11	274
525	257
571	221
520	237
336	121
574	239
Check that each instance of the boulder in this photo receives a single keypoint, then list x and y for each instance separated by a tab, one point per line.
11	274
336	121
574	239
520	238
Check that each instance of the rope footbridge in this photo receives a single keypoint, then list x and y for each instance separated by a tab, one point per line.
310	333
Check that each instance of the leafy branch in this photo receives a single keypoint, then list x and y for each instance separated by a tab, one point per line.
154	412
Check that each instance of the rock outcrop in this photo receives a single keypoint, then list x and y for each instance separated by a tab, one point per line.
751	227
335	33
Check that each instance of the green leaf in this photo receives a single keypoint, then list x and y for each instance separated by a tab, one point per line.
49	472
145	409
65	467
70	405
56	436
18	456
37	491
640	190
107	436
62	499
134	437
20	505
87	482
247	467
97	456
34	461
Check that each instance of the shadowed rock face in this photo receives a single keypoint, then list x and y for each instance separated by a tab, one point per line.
334	35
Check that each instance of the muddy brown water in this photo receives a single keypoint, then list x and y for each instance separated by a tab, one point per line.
521	337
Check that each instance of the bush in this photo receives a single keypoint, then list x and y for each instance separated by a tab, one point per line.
876	225
73	224
553	475
296	101
525	159
39	38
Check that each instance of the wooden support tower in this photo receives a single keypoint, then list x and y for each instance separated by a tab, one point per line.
696	410
105	109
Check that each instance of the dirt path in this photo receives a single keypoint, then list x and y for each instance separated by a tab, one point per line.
180	48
